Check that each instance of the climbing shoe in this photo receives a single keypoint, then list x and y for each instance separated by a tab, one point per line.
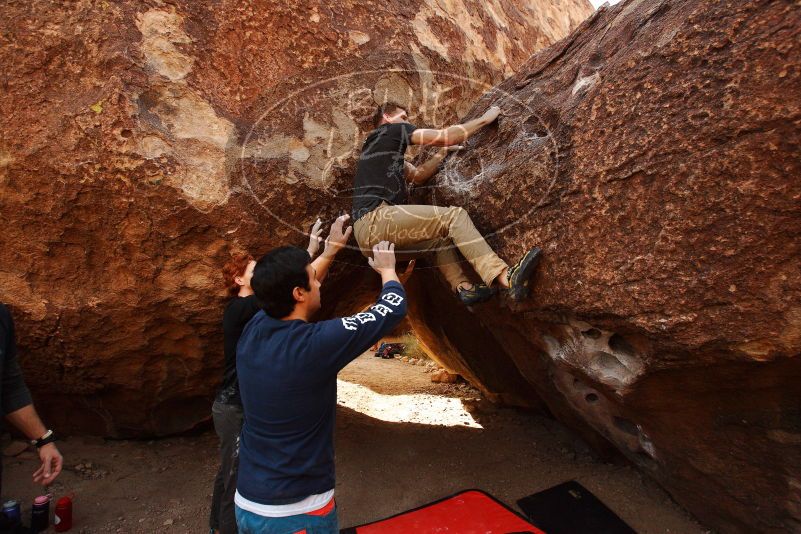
476	294
518	275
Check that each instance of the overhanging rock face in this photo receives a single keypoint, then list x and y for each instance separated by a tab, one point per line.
142	141
655	155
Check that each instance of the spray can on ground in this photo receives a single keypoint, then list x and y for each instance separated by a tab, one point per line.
12	513
40	513
62	520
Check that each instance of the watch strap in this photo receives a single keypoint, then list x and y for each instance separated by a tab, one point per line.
48	437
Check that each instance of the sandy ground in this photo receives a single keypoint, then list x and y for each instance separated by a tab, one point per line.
383	466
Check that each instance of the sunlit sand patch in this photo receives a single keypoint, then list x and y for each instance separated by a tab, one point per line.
415	408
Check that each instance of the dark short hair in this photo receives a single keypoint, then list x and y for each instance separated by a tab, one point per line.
276	276
389	107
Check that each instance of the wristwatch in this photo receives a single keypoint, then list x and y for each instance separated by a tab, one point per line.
49	437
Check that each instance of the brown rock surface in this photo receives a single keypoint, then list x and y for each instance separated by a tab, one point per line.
655	155
142	141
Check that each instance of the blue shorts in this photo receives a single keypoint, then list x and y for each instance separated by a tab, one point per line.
323	521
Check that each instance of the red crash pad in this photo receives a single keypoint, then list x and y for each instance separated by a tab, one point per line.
468	512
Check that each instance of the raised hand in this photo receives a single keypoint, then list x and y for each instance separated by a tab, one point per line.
383	260
314	238
338	236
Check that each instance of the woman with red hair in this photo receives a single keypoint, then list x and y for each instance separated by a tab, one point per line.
227	408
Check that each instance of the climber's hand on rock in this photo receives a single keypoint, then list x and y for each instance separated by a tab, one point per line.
444	151
315	238
491	114
338	236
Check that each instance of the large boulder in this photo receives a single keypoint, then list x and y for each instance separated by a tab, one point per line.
655	155
142	142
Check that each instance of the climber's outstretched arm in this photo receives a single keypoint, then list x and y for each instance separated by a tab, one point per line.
454	135
420	174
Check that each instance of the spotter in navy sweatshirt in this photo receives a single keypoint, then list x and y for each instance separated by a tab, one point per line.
287	370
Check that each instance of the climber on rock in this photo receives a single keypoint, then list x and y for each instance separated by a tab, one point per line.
380	211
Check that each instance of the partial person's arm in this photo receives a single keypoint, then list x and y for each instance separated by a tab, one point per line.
340	341
15	393
418	175
454	135
336	240
17	405
27	421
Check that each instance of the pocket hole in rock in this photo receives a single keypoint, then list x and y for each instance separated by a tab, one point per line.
619	344
626	426
592	333
533	126
646	460
609	367
595	61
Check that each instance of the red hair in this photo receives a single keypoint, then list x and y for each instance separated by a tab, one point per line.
236	266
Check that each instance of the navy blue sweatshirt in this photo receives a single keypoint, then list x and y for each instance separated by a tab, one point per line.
287	380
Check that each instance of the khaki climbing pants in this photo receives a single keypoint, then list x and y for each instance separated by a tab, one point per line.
417	230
